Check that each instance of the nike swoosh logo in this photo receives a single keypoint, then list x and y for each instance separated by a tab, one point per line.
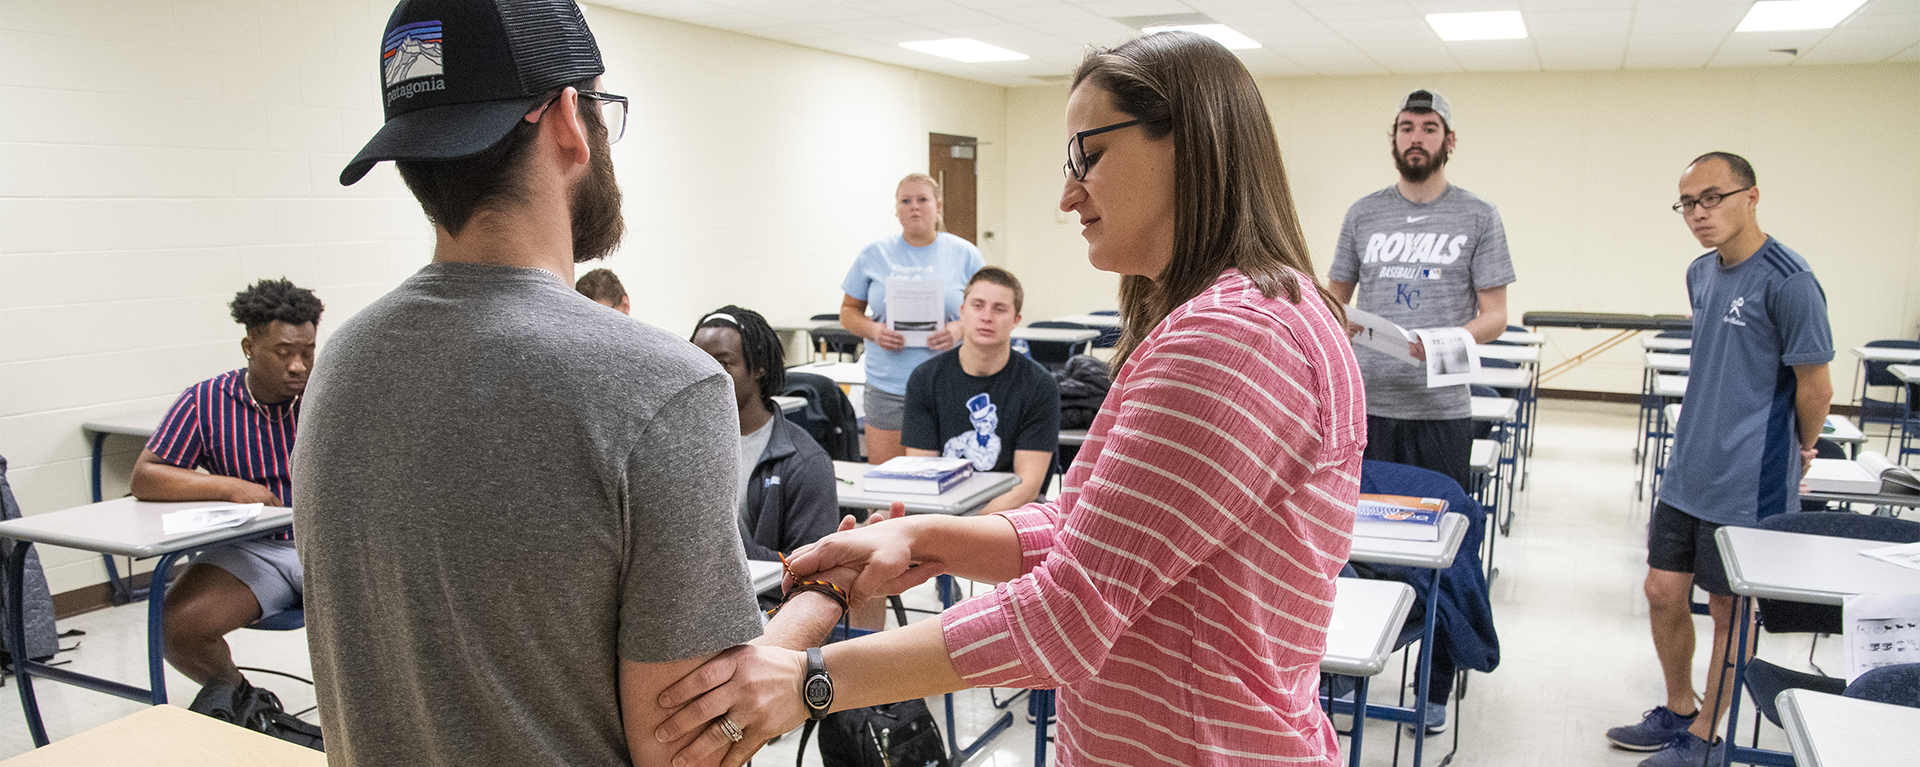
1415	219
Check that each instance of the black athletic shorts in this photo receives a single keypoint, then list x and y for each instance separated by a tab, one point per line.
1678	542
1442	446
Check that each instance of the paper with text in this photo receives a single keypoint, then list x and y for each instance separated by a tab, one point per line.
915	308
207	518
1880	630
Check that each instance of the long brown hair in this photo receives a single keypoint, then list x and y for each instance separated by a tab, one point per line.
1232	208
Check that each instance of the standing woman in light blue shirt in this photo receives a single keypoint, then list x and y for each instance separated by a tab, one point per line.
919	252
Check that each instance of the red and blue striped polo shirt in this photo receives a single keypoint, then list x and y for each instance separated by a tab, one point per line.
216	425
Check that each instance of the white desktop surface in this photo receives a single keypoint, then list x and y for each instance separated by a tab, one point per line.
1056	335
1434	555
1657	344
1367	616
1505	378
846	373
962	499
135	424
1523	337
1669	363
1501	409
1669	386
1834	731
167	736
1886	354
765	575
1101	320
1906	373
1484	457
131	528
1525	355
1815	569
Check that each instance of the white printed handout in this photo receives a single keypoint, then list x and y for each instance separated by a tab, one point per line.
207	518
1906	555
1881	630
915	308
1451	359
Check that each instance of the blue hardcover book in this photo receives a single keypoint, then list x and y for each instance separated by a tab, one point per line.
1398	516
918	475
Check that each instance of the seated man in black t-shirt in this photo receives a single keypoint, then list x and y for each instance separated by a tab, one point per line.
981	401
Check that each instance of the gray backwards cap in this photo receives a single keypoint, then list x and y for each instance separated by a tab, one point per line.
1429	100
457	75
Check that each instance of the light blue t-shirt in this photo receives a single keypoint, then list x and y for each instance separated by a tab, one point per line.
949	259
1736	449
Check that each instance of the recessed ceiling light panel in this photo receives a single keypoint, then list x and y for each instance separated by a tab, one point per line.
1221	33
965	49
1490	25
1785	15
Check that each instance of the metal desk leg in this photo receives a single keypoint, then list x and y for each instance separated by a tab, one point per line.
1761	756
17	635
1423	671
120	591
1041	704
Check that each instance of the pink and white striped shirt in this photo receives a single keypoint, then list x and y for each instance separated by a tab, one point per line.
1180	588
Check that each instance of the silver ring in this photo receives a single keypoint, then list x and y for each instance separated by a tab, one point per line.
731	730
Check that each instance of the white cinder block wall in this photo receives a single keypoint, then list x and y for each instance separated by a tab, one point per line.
1582	166
156	157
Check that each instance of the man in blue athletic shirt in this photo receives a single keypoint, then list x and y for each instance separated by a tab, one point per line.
1757	395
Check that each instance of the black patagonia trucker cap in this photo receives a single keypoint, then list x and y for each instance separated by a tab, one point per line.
456	75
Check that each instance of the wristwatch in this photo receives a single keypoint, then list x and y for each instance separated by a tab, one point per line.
816	688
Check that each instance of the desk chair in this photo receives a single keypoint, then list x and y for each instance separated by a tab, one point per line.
827	416
1054	354
1110	336
1650	405
835	340
1766	680
1897	685
1458	594
1890	411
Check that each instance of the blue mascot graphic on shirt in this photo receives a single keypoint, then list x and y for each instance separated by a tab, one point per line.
981	447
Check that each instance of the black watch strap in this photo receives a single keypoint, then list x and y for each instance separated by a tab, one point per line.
816	688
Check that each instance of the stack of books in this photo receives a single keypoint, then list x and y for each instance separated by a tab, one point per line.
918	475
1398	516
1870	474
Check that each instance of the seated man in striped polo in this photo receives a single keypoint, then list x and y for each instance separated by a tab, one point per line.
238	426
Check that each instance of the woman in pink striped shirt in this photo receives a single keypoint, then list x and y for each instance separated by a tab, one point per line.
1178	592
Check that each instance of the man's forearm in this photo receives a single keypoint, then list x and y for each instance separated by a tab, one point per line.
155	481
803	622
1813	399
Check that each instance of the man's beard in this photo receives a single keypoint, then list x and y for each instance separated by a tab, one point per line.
1418	173
595	203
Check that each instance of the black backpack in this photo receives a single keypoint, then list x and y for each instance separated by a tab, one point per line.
255	709
828	415
893	735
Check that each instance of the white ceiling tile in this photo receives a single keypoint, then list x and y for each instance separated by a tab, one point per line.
736	20
898	8
948	19
1118	8
792	33
1878	7
764	6
1860	46
1528	7
1363	11
1676	51
1265	16
1910	54
1211	7
1579	22
1885	20
988	5
815	13
1568	58
677	9
1035	15
1423	7
1354	29
876	28
1263	32
1686	20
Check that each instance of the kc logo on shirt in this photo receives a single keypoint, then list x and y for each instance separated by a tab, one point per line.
1414	247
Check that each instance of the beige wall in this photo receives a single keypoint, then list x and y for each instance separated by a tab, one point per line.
146	174
1582	166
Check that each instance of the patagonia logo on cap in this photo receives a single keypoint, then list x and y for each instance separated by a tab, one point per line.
412	53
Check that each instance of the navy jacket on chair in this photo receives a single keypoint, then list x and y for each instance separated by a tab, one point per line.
1465	619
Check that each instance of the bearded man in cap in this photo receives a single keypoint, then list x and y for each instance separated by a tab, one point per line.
517	509
1425	254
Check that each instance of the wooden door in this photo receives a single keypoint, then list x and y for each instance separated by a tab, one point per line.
950	160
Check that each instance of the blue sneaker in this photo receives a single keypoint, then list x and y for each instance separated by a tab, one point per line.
1436	721
1689	751
1655	731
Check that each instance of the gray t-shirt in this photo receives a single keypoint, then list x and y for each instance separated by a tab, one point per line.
1421	266
505	489
1736	449
751	446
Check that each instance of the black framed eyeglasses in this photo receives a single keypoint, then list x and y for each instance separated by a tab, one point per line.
1077	165
614	113
1709	201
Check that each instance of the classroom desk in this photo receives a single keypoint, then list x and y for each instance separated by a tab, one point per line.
1056	335
963	499
140	424
1813	569
1495	409
843	373
1367	616
1909	377
1666	362
126	527
1824	729
1505	378
1669	385
1075	437
1523	355
168	736
1606	321
1523	338
764	575
1097	320
1432	555
1886	354
1658	344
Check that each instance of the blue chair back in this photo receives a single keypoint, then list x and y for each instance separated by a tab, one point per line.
1898	685
1877	374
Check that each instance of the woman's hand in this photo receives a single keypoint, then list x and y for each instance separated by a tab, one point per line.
887	339
945	338
882	553
755	688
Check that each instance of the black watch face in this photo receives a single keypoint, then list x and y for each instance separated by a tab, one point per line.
819	692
